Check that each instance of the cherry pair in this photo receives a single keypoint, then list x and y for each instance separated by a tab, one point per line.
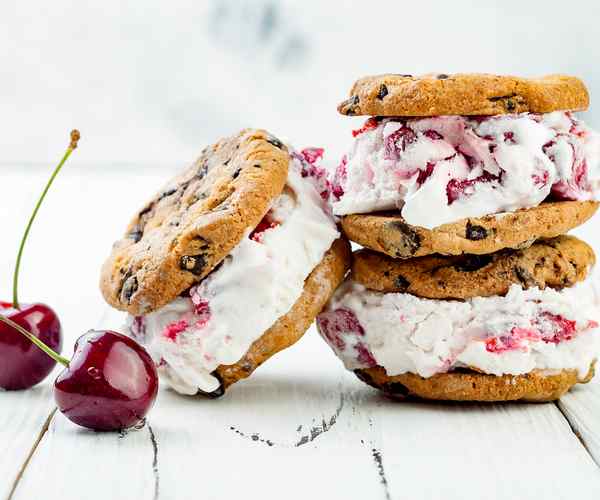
109	384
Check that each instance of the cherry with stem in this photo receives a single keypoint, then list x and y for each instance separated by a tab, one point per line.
109	384
23	364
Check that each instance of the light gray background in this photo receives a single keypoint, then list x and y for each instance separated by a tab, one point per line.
152	81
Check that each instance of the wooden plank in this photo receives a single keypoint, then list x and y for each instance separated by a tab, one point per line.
286	432
581	406
23	416
71	462
482	451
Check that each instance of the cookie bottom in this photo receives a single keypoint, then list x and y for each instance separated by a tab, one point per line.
388	233
469	385
318	289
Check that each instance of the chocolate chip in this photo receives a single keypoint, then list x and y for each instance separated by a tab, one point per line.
146	209
194	264
130	286
200	242
365	377
404	76
167	194
471	263
442	76
236	173
383	91
275	142
202	171
135	235
396	389
475	232
257	165
183	186
349	106
401	283
226	162
410	241
524	276
507	100
247	367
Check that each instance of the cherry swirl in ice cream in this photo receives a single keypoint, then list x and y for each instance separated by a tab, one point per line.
441	169
513	334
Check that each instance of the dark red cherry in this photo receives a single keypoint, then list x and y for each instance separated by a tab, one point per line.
110	384
23	364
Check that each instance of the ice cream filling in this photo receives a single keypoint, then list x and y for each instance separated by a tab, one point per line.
442	169
513	334
219	319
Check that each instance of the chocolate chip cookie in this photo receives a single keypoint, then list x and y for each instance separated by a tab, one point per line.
386	232
463	94
469	385
192	224
556	263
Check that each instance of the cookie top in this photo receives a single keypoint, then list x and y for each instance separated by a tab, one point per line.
388	233
470	385
556	263
463	94
193	223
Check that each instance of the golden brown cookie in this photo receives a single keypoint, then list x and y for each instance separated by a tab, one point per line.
463	94
468	385
557	263
195	221
387	232
318	289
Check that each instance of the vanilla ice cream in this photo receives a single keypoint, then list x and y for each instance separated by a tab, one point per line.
445	168
513	334
261	279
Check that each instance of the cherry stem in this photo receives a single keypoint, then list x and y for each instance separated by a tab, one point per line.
72	146
50	352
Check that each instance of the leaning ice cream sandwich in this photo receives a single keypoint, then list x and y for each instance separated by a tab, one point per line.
460	187
229	263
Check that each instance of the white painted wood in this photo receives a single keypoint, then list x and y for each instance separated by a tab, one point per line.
22	418
582	407
277	435
475	451
301	427
74	463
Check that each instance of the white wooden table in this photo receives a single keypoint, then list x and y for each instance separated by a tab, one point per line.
302	427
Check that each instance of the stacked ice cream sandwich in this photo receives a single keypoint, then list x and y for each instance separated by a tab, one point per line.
461	189
229	263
